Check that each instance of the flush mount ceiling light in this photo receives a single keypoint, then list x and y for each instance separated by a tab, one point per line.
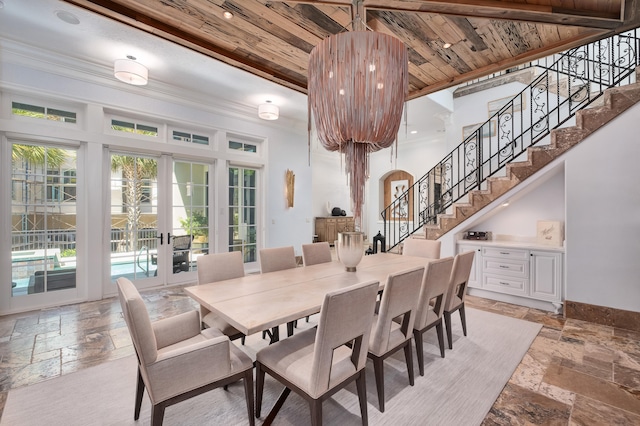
130	71
67	17
227	15
268	111
446	45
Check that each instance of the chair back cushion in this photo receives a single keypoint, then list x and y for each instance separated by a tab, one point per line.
277	259
345	317
137	318
421	248
400	297
315	253
458	282
220	266
434	287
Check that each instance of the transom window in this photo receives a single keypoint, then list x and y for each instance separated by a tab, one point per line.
136	128
190	138
43	112
243	146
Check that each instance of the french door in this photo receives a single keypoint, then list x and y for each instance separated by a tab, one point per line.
159	222
44	224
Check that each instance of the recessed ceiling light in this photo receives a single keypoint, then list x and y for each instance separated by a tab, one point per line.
67	17
446	45
413	132
227	15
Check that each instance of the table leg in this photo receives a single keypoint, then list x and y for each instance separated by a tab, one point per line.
278	405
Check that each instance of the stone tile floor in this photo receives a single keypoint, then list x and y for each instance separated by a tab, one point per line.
575	372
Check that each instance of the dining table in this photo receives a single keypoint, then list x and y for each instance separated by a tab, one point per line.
263	301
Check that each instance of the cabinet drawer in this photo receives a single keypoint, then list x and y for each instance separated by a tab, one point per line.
505	253
508	267
504	284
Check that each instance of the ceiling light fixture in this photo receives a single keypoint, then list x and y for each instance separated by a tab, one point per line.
356	92
268	111
446	45
227	15
67	17
130	71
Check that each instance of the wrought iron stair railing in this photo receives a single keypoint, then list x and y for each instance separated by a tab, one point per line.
566	83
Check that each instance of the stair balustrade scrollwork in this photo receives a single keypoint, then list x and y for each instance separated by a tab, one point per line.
563	84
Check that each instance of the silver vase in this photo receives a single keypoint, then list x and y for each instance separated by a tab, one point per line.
350	247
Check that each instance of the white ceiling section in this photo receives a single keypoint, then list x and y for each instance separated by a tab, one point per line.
97	42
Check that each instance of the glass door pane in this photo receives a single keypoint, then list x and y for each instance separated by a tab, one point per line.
43	219
243	225
134	218
190	218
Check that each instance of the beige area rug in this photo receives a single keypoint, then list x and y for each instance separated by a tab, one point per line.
457	390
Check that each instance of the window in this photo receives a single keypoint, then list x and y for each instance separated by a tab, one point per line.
69	185
35	111
243	146
136	128
190	138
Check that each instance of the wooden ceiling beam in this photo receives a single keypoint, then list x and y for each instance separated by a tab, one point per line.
507	10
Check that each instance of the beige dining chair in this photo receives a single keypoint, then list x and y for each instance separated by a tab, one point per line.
318	362
457	291
177	360
272	260
214	267
433	293
277	259
315	253
399	299
421	247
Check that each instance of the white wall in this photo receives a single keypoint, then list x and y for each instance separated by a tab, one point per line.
603	216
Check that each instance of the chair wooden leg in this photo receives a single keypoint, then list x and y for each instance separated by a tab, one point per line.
259	388
378	369
139	394
315	407
463	318
440	337
248	394
447	323
417	336
157	414
361	385
409	358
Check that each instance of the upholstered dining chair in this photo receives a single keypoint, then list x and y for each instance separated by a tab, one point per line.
433	293
177	360
277	259
272	260
318	362
457	291
421	247
399	299
315	253
214	267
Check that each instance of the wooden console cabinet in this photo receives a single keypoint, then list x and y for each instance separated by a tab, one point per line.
327	228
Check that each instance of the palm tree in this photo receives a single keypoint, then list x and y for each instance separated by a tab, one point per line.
134	170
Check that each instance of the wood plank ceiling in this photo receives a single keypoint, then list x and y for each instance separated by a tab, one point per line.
273	39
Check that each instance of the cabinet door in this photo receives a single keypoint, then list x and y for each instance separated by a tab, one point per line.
546	275
332	231
474	277
321	229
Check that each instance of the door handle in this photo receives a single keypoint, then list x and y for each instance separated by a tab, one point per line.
161	236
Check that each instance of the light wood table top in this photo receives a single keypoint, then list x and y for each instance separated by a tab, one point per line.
261	301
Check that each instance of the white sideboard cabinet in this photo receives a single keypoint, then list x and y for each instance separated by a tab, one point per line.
520	273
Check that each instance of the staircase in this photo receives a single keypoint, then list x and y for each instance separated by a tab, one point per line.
616	101
508	148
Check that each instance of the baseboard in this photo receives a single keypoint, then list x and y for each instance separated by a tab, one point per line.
613	317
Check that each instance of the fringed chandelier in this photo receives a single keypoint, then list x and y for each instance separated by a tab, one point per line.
357	89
